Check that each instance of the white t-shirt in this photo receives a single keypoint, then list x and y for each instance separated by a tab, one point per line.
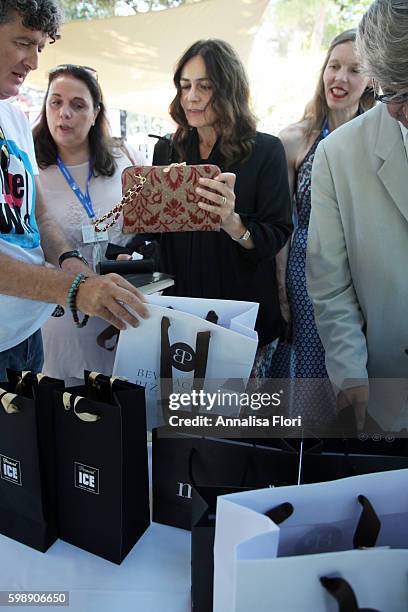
69	351
19	236
62	203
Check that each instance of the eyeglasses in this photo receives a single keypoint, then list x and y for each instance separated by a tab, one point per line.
4	153
390	97
62	67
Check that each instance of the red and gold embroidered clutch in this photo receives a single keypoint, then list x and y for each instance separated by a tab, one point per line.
167	201
162	199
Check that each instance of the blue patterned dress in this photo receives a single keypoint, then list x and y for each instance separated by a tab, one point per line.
303	358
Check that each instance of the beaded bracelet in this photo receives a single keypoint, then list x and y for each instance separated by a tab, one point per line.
71	299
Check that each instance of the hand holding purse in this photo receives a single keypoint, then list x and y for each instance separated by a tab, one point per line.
162	199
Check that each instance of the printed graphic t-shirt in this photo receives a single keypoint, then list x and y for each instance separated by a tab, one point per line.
19	236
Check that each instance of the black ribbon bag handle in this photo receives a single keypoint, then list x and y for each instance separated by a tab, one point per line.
368	527
279	514
343	593
166	371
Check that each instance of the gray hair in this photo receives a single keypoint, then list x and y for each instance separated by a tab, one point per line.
382	42
41	15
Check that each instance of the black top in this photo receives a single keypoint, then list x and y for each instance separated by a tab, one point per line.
211	264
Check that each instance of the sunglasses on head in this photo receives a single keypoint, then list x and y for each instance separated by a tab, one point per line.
62	67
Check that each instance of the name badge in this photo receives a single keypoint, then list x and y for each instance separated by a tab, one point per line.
90	236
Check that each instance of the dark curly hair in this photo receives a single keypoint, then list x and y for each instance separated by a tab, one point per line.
235	123
100	143
42	15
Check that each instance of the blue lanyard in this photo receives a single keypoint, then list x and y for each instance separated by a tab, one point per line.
325	128
84	198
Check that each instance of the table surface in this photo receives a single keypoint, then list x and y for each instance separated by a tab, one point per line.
154	577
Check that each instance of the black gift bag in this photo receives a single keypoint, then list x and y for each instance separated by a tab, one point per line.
183	461
331	459
103	491
204	506
27	459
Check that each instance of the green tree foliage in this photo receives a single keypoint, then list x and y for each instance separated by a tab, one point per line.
89	9
92	9
349	12
311	24
152	5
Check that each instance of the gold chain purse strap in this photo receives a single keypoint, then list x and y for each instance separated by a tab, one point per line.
116	210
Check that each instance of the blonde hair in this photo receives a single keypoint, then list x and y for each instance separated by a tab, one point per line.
317	109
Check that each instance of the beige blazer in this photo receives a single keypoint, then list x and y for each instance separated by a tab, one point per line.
357	260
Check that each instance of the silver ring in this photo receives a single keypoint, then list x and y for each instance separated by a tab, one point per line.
223	201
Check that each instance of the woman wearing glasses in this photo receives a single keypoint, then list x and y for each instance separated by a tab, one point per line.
341	94
215	125
358	234
80	171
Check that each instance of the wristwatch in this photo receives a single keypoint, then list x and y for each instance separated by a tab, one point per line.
245	236
69	254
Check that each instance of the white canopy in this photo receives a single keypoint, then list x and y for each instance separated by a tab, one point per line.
135	56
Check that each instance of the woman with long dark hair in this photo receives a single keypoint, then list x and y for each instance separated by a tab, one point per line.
80	171
251	195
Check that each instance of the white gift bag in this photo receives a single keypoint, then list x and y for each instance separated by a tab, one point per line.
231	348
375	578
325	518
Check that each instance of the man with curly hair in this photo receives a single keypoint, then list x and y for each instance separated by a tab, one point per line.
42	15
28	289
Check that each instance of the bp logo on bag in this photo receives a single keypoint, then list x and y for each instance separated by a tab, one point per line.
10	470
324	538
182	357
86	478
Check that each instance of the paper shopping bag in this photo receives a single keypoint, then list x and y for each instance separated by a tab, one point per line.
204	503
232	345
183	461
27	459
364	510
103	495
372	580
